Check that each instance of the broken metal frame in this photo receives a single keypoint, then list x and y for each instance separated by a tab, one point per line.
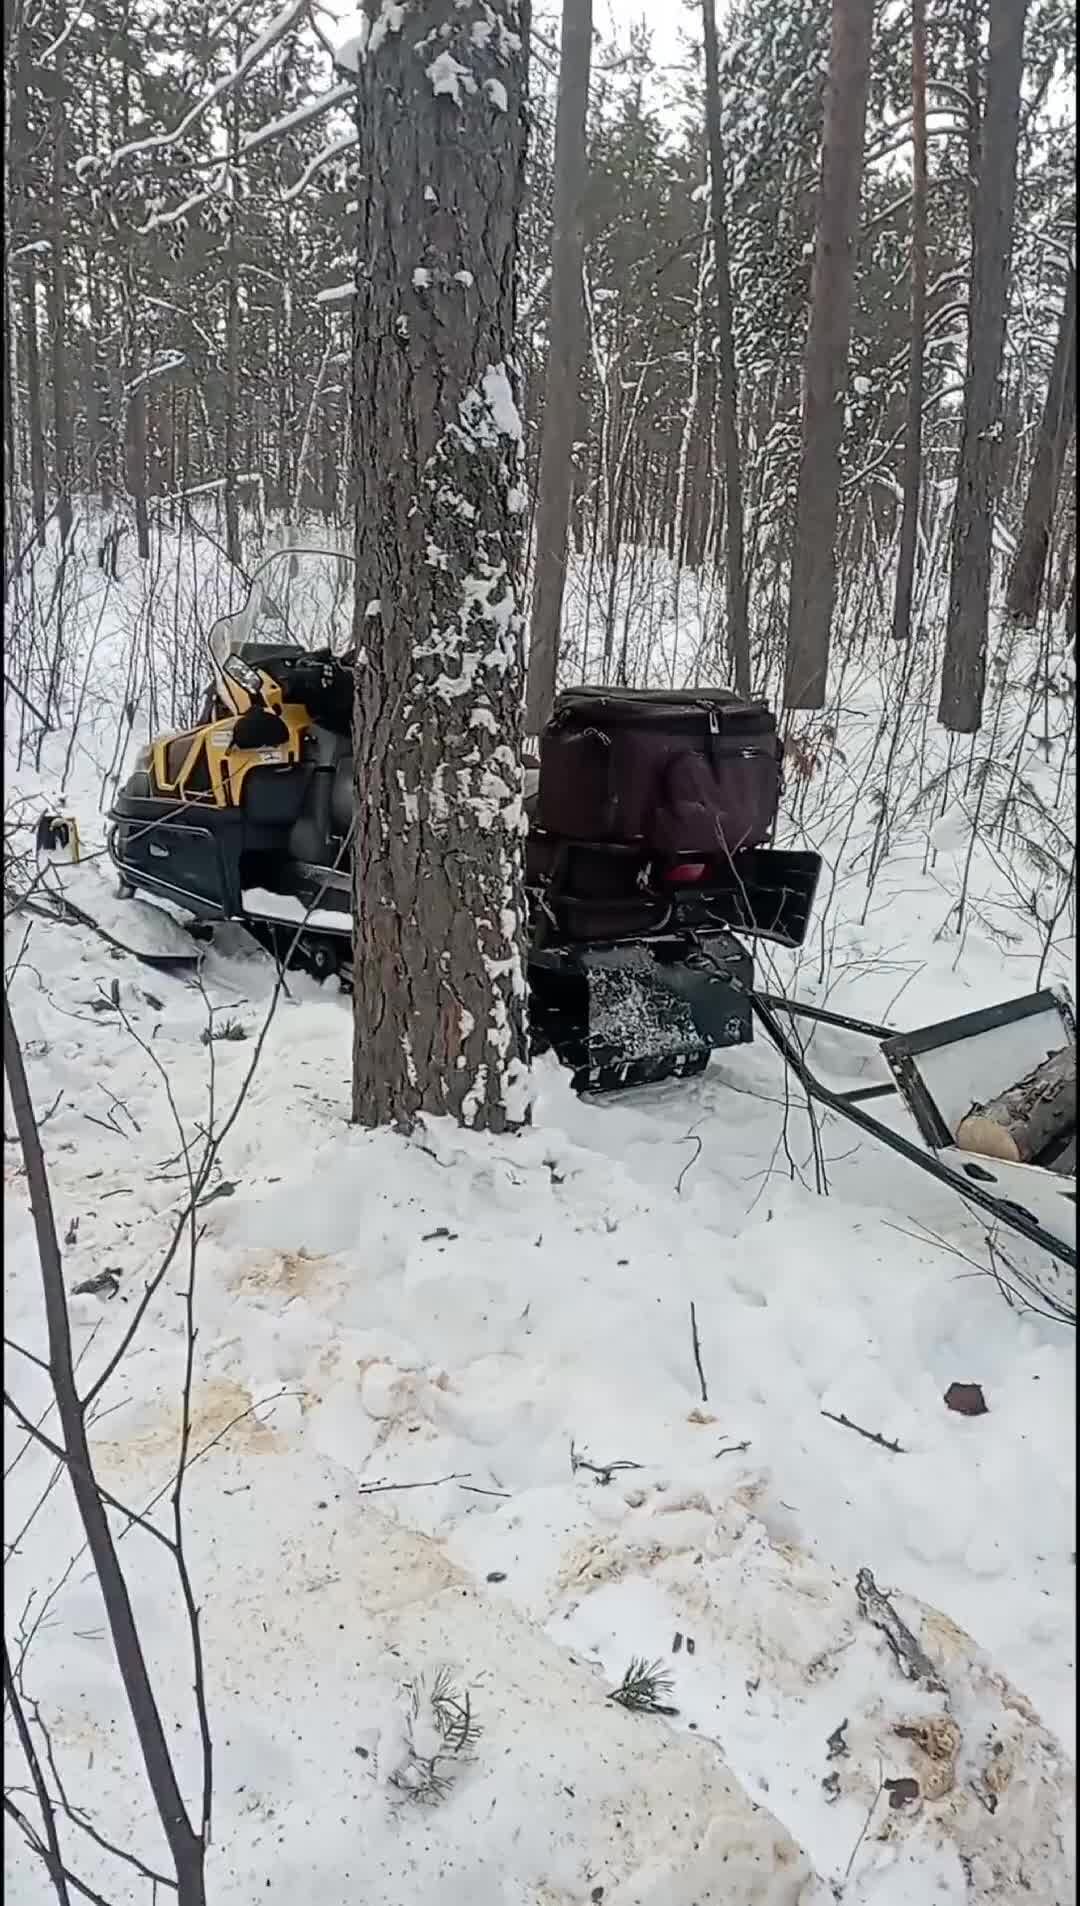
897	1048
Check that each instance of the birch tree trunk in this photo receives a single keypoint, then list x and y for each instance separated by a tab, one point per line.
439	980
813	570
1058	421
735	597
963	675
566	332
912	482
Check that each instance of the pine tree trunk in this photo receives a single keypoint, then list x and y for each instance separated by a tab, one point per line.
439	981
912	484
963	675
1058	420
973	78
566	334
57	300
35	428
232	335
135	426
813	570
735	596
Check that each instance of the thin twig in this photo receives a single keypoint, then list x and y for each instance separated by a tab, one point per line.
71	1463
382	1488
185	1845
50	1849
866	1822
697	1353
870	1435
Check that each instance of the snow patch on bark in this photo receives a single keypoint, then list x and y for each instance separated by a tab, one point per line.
361	37
449	78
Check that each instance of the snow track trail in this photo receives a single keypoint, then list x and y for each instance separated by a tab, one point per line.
425	1330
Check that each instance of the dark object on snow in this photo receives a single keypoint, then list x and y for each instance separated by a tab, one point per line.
913	1663
966	1399
105	1284
57	834
901	1792
686	773
641	1688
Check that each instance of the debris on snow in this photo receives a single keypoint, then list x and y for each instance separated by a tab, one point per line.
966	1399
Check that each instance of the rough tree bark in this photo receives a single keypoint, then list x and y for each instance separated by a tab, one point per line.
57	300
735	595
813	570
912	483
963	675
232	329
566	337
1058	420
438	972
35	427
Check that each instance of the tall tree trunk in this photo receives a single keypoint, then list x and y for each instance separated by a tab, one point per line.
135	417
11	475
566	334
35	428
61	373
912	485
813	569
132	394
973	82
232	331
963	675
735	597
1058	420
439	983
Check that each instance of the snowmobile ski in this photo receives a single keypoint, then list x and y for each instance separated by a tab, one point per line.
69	914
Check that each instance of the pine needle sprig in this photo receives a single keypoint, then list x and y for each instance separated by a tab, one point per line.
643	1687
436	1706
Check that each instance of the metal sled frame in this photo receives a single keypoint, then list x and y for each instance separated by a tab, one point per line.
969	1177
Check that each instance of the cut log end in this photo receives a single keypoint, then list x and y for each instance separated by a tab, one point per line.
1029	1117
979	1133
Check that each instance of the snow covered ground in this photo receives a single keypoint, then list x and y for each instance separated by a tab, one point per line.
447	1415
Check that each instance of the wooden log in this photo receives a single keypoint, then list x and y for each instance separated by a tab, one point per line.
1022	1121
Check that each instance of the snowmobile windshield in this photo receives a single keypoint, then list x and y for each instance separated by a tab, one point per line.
298	599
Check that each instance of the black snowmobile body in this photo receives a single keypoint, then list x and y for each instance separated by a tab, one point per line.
638	963
246	817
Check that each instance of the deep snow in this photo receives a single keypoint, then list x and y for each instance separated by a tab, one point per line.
400	1345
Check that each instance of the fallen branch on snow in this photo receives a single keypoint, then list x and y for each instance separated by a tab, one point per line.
912	1662
871	1436
697	1353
